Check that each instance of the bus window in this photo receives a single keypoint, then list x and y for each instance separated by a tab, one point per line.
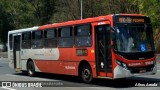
37	40
10	41
65	37
83	35
50	38
66	32
26	40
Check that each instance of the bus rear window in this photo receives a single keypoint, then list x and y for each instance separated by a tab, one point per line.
26	40
65	37
50	33
50	39
26	36
66	32
37	40
37	35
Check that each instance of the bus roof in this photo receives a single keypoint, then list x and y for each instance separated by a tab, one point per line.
87	20
68	23
23	30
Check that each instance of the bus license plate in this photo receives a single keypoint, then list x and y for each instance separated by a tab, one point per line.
142	71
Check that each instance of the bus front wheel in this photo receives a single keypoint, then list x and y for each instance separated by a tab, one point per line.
30	69
86	74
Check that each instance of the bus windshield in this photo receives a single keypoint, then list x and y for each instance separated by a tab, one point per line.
134	39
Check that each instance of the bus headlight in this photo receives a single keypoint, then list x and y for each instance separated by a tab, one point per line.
121	64
118	62
124	65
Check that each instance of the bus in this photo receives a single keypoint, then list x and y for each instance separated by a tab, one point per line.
111	46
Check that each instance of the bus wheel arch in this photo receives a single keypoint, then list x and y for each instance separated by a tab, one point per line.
30	67
85	72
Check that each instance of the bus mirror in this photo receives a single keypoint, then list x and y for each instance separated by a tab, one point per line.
113	30
113	36
145	27
113	33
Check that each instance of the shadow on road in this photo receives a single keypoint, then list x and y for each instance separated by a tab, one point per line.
73	81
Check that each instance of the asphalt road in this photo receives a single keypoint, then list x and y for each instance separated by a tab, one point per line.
65	82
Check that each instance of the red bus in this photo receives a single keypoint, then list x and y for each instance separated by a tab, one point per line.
111	46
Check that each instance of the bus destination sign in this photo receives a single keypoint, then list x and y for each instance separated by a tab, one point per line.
131	20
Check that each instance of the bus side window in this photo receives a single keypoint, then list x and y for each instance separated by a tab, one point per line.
26	40
50	40
83	35
10	41
65	37
37	39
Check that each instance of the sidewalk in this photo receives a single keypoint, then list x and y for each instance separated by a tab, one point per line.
158	58
3	55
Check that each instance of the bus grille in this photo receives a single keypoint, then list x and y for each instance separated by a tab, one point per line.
134	70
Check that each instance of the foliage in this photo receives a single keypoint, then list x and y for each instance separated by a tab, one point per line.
151	8
16	14
5	23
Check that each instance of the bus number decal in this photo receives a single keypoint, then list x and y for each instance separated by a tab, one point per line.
70	67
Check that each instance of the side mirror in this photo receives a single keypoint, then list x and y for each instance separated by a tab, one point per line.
113	36
113	30
145	27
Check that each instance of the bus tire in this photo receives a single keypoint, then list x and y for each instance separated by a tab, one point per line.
30	69
86	74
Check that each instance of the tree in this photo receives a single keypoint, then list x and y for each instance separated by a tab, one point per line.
16	14
151	8
66	10
5	23
43	10
21	13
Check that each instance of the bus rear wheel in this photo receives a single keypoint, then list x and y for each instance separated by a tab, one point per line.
86	74
30	69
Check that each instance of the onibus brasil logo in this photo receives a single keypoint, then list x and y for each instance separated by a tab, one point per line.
21	84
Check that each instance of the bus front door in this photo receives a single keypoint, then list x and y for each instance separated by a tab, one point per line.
16	51
103	50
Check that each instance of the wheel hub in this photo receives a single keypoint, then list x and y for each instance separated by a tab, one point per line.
86	73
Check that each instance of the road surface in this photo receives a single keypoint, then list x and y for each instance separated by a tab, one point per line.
64	82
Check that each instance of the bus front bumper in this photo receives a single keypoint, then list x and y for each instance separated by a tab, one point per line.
120	72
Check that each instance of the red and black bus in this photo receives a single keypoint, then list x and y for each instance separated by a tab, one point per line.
111	46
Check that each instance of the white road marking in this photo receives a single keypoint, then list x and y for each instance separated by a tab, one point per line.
45	79
31	77
3	62
3	58
8	88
